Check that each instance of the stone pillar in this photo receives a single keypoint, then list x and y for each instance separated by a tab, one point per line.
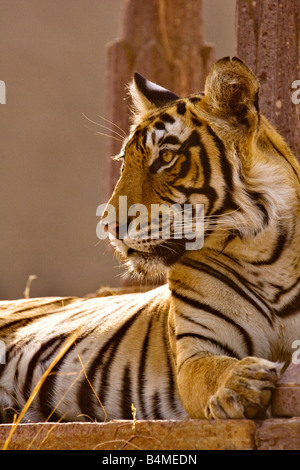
268	40
163	41
286	398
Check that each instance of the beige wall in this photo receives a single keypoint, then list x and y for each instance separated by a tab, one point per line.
52	59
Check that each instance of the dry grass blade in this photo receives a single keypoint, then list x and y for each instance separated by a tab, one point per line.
66	346
28	284
88	381
115	442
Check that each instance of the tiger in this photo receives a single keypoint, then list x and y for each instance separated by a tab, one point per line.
212	342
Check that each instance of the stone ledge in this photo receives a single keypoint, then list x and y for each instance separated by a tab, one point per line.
278	434
120	435
281	432
156	435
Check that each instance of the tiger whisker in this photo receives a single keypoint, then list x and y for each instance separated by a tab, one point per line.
167	245
104	127
105	135
113	123
213	217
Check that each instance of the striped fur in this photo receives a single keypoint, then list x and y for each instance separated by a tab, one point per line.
214	340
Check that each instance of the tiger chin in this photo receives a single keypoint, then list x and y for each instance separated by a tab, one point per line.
213	341
149	259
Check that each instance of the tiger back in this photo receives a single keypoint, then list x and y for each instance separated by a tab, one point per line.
214	340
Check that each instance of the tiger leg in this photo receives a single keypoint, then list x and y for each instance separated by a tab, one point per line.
214	386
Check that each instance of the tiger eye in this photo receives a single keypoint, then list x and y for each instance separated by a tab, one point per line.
167	155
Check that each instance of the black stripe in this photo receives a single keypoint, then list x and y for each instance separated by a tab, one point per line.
16	324
126	394
166	342
199	266
139	139
258	200
165	198
228	351
47	392
195	120
247	341
165	117
153	137
181	107
85	393
291	308
182	285
191	320
226	168
232	235
35	361
244	283
170	139
282	291
144	140
17	372
159	125
225	165
279	248
230	257
196	99
185	166
113	345
195	141
141	372
208	191
155	402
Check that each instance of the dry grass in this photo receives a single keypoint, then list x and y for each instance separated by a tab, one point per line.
17	420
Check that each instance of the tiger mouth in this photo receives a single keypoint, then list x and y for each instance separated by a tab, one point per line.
167	252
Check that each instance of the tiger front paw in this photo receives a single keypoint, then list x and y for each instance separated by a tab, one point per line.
245	389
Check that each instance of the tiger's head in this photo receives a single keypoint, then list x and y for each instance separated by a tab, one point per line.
209	150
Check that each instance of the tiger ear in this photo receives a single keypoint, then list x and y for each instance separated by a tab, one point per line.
147	96
231	94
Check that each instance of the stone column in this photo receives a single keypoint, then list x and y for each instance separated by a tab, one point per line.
163	41
268	40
